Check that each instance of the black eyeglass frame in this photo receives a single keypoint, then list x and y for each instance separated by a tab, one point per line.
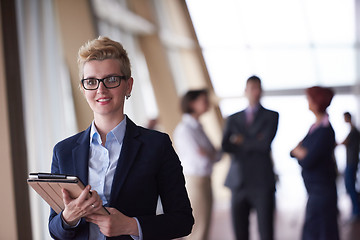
101	80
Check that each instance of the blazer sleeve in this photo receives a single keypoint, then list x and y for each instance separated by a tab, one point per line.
177	219
229	129
256	139
56	228
261	139
319	147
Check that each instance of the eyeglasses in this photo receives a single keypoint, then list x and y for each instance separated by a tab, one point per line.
109	82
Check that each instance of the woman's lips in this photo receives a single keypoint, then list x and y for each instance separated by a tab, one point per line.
102	100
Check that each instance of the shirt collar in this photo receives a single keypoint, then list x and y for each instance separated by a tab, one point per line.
323	123
118	132
189	119
253	109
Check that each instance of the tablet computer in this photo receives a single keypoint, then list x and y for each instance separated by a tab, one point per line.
49	185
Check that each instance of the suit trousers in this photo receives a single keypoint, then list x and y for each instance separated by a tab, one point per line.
321	214
350	182
201	199
263	202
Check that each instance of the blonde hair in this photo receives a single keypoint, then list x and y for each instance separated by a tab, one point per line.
100	49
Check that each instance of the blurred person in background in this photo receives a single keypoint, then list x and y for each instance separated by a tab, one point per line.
247	137
197	155
352	144
315	154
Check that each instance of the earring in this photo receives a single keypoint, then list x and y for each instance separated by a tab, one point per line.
128	96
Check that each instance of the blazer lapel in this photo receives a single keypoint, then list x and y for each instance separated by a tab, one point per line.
80	156
241	122
128	153
258	121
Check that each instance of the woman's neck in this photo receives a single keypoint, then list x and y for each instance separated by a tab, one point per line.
320	116
196	116
105	124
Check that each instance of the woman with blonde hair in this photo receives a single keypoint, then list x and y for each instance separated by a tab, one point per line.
125	167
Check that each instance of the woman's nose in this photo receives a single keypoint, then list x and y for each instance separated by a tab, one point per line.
101	87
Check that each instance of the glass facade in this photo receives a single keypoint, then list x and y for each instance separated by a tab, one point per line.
289	44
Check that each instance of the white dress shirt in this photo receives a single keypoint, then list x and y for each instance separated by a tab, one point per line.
196	152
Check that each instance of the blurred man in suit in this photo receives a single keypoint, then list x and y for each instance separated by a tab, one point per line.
247	137
352	144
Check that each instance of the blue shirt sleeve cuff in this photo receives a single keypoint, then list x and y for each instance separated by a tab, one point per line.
140	237
67	226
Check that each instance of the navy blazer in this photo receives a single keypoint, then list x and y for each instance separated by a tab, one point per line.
319	174
251	162
319	165
148	167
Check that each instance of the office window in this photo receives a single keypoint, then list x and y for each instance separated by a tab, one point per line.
288	43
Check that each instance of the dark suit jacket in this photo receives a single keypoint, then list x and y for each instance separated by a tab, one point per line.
148	167
319	165
352	147
319	174
251	163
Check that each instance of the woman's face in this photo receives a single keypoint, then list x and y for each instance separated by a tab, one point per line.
103	101
201	104
312	105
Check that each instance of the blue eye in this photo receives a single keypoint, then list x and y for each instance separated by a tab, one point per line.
91	81
112	79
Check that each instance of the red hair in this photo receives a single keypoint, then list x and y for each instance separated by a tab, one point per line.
320	96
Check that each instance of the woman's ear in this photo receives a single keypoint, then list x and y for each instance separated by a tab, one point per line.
81	89
129	84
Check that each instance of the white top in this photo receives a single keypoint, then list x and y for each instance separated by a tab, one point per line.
196	152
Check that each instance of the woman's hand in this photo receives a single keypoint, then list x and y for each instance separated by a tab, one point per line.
87	203
115	224
299	152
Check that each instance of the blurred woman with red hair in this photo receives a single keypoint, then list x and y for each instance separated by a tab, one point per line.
315	154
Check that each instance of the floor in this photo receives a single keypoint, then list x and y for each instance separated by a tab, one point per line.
289	219
287	227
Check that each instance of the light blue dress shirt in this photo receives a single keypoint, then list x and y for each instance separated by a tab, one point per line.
102	165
